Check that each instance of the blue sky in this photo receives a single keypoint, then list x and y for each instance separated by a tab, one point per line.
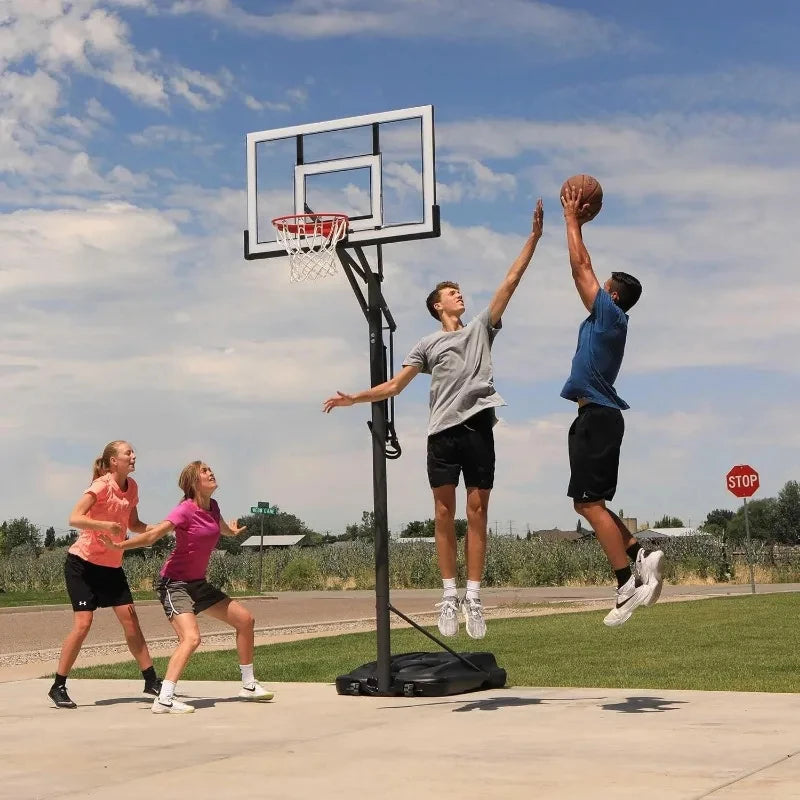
128	311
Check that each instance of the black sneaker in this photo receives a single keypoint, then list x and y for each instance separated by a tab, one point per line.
58	694
153	687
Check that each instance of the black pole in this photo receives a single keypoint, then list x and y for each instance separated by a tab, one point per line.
377	367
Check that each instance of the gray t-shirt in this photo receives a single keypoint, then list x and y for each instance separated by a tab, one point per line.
460	365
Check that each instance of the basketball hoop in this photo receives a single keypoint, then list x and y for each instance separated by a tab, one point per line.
310	241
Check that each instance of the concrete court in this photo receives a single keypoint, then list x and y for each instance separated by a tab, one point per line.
311	743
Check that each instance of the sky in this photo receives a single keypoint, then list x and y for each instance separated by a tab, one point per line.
127	310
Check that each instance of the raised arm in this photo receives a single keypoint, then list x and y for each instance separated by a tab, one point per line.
517	269
582	272
383	391
154	533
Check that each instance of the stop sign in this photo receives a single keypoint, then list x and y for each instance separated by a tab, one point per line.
742	480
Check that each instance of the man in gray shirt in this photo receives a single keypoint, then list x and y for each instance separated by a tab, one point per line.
460	439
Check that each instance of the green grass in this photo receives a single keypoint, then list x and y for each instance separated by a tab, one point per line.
12	599
725	644
9	599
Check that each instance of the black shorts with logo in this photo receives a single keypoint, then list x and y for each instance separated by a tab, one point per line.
468	447
595	439
91	586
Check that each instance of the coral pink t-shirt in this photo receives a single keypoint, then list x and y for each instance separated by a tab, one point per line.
196	535
111	505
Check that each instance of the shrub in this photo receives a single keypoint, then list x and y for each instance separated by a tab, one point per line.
351	565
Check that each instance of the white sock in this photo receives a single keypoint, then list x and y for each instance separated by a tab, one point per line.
473	590
248	678
449	585
166	693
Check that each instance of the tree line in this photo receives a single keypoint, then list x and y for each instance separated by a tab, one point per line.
773	520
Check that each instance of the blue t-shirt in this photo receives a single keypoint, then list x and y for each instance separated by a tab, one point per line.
598	357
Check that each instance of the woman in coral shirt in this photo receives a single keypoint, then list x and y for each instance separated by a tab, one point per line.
94	574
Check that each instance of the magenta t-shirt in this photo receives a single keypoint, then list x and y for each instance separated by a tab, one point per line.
196	535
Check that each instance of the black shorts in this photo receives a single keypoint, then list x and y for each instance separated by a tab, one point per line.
595	439
91	586
468	447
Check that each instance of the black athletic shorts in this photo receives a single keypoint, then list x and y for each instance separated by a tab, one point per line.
595	439
468	447
91	586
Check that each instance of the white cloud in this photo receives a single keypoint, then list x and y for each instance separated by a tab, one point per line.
560	31
85	36
262	105
157	135
97	111
201	91
297	95
468	178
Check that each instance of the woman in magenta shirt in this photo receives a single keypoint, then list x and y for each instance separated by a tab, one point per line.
184	590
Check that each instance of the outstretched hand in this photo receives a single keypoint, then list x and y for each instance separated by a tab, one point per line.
233	525
109	542
340	400
538	220
572	202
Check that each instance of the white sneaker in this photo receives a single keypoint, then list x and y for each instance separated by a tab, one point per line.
649	568
257	693
173	707
448	616
629	598
472	609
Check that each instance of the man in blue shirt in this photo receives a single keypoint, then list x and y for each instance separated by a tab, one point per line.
595	437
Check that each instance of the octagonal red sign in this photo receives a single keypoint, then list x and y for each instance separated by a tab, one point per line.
742	480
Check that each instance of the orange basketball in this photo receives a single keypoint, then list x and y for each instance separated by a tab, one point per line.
591	194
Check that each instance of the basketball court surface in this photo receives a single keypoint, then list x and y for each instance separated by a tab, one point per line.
564	744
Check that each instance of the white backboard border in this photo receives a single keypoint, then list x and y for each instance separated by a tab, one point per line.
362	231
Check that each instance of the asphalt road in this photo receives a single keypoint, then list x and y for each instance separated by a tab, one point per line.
39	628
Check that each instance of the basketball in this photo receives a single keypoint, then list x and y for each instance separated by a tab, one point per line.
591	193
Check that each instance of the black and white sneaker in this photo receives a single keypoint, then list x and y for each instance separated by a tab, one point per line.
153	687
650	569
58	694
629	597
256	692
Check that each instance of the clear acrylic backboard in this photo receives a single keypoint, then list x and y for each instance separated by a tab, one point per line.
378	169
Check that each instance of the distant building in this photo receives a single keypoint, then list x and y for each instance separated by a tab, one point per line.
557	535
273	541
669	533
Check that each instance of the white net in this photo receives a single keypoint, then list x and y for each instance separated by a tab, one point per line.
310	241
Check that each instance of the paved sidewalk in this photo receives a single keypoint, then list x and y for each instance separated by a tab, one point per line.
559	744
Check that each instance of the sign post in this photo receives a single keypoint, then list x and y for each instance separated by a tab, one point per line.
742	480
262	509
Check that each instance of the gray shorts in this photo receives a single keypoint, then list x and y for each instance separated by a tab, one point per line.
188	597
